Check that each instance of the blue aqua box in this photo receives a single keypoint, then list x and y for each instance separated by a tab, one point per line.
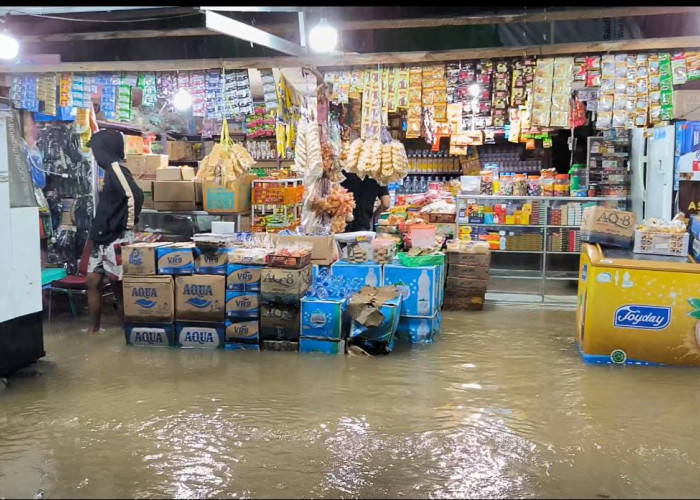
243	277
370	274
418	330
419	288
242	305
150	334
213	262
322	318
325	346
385	331
200	335
177	258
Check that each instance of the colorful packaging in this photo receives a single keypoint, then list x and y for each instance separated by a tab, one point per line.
307	345
418	330
370	274
322	319
419	288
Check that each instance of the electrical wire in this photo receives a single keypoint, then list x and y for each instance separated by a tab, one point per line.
60	18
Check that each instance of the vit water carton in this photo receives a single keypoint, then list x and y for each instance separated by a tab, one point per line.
200	297
243	331
242	305
308	345
322	319
150	334
419	288
418	330
200	335
213	262
243	277
148	299
370	274
177	258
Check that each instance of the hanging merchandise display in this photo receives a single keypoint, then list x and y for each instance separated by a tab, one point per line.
288	115
543	84
147	84
226	162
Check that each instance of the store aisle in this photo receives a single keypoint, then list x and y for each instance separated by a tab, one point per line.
499	406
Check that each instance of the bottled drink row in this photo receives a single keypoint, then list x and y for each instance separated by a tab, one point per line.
429	162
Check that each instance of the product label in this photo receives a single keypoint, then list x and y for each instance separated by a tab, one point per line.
242	304
144	297
211	263
195	336
242	277
243	330
148	336
200	295
175	261
642	317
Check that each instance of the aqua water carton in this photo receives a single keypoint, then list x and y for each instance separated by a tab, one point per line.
322	319
150	334
325	346
370	274
243	277
200	297
176	259
419	287
242	305
414	330
199	335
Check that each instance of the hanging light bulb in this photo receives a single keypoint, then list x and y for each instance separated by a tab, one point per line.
182	99
9	46
323	37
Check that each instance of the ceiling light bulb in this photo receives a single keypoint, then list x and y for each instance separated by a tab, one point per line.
323	37
9	46
182	99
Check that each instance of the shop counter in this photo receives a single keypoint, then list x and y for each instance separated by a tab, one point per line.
637	309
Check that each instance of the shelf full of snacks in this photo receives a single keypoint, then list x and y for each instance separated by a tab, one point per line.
532	238
608	165
276	204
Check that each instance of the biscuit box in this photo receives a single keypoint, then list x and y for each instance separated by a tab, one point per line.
148	299
242	305
243	331
150	334
243	277
200	297
176	258
211	262
419	288
200	335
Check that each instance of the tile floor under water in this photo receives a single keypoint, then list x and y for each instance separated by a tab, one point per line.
499	406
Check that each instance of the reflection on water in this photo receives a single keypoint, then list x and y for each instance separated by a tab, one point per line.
500	405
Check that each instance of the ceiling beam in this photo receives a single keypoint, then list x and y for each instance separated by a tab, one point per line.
350	60
237	29
284	29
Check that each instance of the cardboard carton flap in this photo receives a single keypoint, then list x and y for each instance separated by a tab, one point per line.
364	306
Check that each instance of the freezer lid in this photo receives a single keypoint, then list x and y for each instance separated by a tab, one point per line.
626	259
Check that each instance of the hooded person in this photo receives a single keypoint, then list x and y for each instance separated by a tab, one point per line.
118	210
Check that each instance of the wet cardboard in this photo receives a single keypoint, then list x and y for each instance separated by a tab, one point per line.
200	297
279	345
199	335
285	286
140	258
176	258
148	299
324	346
279	322
322	318
241	346
242	305
418	330
243	331
150	334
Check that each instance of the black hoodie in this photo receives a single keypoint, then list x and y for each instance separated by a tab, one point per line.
120	201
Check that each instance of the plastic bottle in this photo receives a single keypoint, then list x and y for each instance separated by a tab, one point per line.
502	242
423	293
371	279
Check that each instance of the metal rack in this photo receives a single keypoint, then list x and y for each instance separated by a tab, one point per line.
542	273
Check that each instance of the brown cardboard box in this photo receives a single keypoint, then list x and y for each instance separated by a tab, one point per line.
469	259
686	104
183	151
608	226
148	200
324	251
200	297
218	199
466	286
148	299
145	166
461	302
468	272
177	195
286	286
175	174
140	258
146	185
133	144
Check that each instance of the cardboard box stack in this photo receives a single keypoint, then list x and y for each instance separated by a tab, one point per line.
243	271
467	275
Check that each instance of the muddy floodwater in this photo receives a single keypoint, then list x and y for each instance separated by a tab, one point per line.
499	406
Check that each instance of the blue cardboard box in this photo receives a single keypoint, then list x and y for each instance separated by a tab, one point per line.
241	346
150	334
385	331
695	248
200	335
243	277
316	268
322	318
213	262
414	330
242	305
419	288
325	346
695	226
177	258
243	331
370	274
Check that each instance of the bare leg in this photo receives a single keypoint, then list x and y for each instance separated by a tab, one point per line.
94	295
119	295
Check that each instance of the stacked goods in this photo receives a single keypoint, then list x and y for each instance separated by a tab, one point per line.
656	236
467	275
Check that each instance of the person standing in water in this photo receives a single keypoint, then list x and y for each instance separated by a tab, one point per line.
118	210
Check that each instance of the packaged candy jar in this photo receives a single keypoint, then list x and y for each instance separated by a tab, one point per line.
486	182
506	185
534	188
520	185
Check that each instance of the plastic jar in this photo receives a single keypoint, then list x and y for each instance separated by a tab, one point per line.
561	185
534	188
506	185
547	183
520	185
487	182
